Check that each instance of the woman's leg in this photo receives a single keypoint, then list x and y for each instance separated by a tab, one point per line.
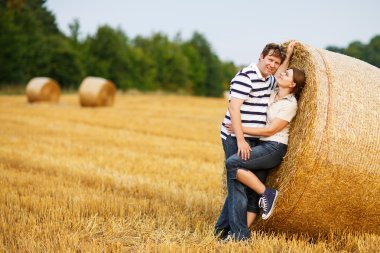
263	157
253	198
251	218
251	180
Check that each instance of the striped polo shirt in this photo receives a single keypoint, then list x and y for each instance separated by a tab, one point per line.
249	85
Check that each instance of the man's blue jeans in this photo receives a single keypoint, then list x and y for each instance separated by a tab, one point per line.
230	148
263	157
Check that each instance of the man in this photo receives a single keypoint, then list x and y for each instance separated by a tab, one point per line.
249	95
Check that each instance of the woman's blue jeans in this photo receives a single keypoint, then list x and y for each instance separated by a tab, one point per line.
264	156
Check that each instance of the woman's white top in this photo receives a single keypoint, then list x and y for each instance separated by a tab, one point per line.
285	109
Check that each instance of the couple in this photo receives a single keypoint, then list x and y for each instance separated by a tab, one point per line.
255	136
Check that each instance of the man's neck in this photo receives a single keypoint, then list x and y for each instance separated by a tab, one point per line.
261	72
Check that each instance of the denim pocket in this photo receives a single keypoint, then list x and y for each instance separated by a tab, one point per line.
278	146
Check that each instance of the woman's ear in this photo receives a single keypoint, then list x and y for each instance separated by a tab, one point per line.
293	85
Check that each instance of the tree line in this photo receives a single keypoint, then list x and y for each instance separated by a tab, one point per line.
367	52
32	45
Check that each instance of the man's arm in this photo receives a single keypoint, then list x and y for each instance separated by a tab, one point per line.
234	109
285	64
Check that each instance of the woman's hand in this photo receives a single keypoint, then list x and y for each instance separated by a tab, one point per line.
229	128
290	48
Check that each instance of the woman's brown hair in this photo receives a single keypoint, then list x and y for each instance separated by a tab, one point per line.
299	78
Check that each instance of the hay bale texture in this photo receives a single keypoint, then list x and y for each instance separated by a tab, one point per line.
330	177
42	89
96	91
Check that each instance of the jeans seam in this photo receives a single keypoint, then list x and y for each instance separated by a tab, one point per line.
264	155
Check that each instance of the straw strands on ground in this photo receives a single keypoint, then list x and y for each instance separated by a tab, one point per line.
144	175
330	178
96	91
42	89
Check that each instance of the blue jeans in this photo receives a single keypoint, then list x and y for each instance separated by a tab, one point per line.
266	155
230	148
263	157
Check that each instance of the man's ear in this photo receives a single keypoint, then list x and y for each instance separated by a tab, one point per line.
261	57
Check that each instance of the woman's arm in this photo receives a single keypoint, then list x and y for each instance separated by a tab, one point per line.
276	126
285	64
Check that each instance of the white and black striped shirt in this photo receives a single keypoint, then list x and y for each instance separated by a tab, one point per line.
249	85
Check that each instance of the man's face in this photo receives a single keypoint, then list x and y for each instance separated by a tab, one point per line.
269	64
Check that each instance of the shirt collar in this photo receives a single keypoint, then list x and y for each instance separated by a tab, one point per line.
273	94
258	72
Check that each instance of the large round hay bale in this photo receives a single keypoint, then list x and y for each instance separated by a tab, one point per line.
330	177
41	89
96	91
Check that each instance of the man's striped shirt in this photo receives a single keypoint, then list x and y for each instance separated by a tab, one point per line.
249	85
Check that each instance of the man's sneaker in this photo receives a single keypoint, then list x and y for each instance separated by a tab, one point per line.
221	233
228	237
267	202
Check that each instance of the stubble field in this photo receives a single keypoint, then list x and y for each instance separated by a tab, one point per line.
143	175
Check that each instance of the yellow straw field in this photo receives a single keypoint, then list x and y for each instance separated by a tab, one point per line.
144	175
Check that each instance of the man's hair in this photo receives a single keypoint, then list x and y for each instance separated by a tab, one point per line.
299	78
275	50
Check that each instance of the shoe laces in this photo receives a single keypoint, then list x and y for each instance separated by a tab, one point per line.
263	203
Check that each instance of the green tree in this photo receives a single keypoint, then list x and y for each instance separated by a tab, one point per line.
32	45
169	62
197	69
336	49
108	55
373	51
356	49
369	53
229	70
25	28
212	85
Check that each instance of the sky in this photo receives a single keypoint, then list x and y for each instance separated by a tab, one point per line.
237	30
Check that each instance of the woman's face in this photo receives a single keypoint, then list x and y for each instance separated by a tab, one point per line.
286	78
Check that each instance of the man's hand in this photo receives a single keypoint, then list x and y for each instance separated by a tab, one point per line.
229	128
244	149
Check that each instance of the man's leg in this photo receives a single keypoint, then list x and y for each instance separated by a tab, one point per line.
222	224
237	206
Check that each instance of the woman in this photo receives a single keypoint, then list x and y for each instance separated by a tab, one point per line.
273	144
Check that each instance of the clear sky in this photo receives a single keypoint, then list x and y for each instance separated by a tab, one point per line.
236	29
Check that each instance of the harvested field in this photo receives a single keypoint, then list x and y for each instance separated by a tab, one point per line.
143	175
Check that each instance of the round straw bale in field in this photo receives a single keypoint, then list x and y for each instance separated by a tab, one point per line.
96	91
330	177
42	89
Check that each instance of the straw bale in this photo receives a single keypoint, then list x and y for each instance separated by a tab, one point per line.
43	89
96	91
330	177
